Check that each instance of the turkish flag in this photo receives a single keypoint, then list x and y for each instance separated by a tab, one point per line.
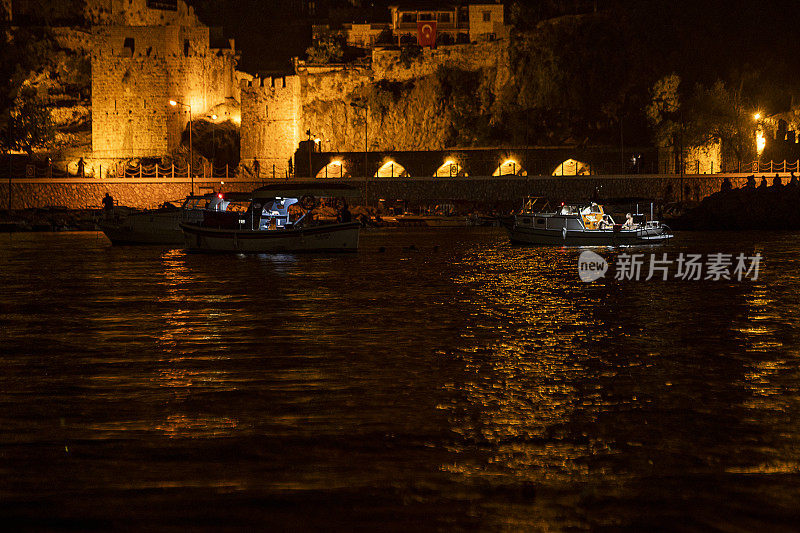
426	33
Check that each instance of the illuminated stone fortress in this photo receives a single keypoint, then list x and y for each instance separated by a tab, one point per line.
145	54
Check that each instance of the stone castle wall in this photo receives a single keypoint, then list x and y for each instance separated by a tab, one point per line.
132	86
402	96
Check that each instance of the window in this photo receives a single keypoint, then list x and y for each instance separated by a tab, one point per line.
426	16
128	47
487	16
444	17
409	17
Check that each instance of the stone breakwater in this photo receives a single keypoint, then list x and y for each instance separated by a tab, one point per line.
773	207
88	193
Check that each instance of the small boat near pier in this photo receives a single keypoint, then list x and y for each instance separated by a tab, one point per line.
125	225
273	219
581	225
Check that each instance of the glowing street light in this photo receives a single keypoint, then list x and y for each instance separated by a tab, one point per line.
761	141
174	103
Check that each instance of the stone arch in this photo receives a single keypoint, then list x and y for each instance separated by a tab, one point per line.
391	169
572	167
450	169
510	167
335	169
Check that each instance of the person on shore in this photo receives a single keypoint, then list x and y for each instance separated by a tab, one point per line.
793	180
256	167
763	184
81	167
726	185
751	181
108	203
776	181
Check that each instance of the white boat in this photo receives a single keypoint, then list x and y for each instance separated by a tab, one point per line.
124	225
582	225
273	219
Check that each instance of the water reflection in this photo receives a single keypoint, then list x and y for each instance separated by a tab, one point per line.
460	383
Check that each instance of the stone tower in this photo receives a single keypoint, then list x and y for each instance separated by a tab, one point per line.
270	122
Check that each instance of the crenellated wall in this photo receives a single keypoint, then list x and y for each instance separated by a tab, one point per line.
132	86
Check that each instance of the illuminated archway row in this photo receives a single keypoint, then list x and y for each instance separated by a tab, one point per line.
450	169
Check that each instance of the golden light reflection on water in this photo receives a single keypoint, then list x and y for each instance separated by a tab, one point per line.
519	388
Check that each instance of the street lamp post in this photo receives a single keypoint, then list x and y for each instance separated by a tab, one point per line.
359	105
310	169
213	142
174	103
366	124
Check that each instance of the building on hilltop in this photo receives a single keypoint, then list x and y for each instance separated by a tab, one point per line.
424	24
460	23
162	53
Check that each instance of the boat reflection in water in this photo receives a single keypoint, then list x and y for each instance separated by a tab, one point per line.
274	219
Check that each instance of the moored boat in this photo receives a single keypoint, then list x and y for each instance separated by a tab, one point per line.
124	225
582	225
274	218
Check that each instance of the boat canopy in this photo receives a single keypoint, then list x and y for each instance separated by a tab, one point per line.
332	190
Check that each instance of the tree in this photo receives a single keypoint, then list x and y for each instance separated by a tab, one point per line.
665	116
663	111
325	50
720	113
581	71
24	51
31	124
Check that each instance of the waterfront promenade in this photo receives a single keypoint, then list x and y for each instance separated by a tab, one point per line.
80	193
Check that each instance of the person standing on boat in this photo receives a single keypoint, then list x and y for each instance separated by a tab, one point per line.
345	215
108	203
81	166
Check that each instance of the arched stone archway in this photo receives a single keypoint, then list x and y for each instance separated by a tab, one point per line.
510	167
335	169
450	169
571	167
391	169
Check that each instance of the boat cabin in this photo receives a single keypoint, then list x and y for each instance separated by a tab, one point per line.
270	208
570	217
274	213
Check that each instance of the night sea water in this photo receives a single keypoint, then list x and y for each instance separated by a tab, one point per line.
438	379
